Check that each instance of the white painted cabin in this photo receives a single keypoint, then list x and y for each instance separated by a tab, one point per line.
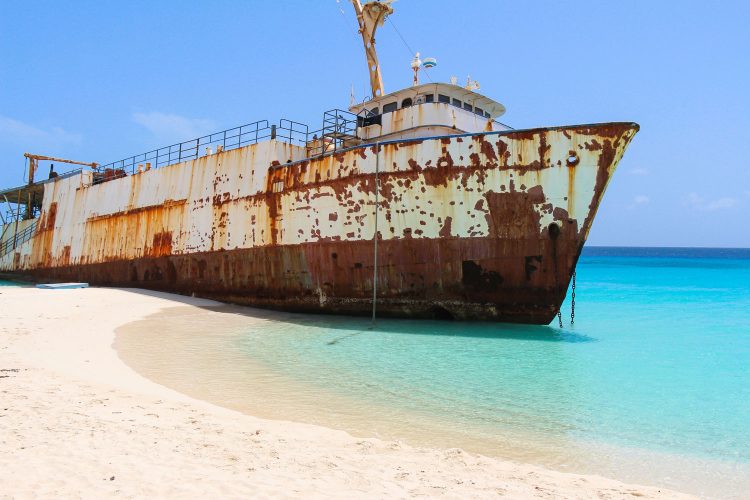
428	110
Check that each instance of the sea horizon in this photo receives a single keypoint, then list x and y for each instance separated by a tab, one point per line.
663	247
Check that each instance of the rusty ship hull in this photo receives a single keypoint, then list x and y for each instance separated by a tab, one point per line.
481	226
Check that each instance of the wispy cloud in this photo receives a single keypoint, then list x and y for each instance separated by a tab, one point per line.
640	200
638	171
694	200
722	203
29	136
698	202
173	128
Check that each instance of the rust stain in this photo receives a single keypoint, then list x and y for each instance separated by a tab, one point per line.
445	231
511	215
456	241
161	245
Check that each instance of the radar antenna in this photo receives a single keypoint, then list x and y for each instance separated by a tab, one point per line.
370	16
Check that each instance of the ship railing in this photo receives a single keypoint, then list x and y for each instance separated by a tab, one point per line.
339	131
20	214
291	132
10	216
13	215
225	140
288	131
507	127
18	239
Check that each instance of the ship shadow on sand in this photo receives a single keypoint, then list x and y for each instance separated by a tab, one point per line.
350	326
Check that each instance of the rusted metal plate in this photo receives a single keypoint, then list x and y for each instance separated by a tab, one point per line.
480	226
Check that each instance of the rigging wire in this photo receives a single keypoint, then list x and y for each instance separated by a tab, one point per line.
343	15
412	53
344	19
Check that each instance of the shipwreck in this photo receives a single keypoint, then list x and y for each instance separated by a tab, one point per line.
415	203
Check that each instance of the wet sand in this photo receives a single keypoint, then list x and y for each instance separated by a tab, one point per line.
76	421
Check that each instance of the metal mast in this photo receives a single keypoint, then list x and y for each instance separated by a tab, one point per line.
370	16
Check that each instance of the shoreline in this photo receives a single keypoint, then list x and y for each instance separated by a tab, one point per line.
216	354
81	421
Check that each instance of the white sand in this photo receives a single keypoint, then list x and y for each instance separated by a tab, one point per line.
75	421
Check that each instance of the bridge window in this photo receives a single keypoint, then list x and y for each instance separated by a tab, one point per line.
406	102
486	114
373	111
479	111
468	107
429	98
390	107
366	121
456	103
444	98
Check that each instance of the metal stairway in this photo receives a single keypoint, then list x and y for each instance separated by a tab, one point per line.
339	132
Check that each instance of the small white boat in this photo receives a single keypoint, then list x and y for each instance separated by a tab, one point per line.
62	286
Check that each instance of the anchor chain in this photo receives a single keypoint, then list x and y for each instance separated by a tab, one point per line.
573	301
559	319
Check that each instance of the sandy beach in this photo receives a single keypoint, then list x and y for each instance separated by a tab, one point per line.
76	421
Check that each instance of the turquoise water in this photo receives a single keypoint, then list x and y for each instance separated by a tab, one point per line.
651	384
8	283
658	358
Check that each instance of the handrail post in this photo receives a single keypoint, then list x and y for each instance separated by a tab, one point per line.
18	215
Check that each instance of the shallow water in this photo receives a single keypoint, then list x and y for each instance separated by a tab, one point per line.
651	384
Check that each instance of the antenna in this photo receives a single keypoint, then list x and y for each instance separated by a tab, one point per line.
471	84
416	63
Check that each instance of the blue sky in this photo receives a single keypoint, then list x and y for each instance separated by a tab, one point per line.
101	80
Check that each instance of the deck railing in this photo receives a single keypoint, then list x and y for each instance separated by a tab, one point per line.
225	140
338	132
18	239
288	131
